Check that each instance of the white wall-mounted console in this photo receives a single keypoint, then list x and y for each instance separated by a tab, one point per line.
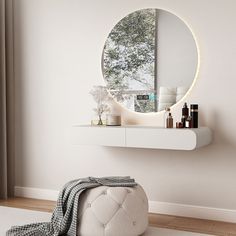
141	137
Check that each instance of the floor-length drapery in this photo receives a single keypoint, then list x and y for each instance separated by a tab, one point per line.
3	110
6	75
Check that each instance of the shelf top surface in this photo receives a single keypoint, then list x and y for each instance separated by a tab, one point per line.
141	127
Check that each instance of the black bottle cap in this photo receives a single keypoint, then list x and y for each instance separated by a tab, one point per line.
194	106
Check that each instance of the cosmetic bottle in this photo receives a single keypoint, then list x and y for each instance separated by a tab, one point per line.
194	115
185	110
179	125
167	110
185	113
188	122
183	120
169	121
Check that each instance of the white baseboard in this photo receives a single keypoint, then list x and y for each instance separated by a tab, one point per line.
167	208
37	193
193	211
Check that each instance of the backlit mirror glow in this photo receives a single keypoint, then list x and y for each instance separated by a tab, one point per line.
149	60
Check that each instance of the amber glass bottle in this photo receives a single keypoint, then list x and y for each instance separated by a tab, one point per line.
169	121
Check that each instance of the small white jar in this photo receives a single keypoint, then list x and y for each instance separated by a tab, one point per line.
113	120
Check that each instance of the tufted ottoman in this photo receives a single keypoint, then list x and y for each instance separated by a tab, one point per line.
113	211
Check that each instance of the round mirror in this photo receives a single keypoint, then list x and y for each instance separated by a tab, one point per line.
149	60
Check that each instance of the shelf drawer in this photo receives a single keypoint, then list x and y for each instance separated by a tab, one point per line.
95	135
175	139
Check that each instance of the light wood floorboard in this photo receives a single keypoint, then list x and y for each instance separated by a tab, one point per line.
29	204
156	220
193	225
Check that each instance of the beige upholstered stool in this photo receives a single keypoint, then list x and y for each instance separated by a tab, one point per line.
113	211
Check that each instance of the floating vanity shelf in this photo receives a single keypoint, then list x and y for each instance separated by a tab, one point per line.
141	137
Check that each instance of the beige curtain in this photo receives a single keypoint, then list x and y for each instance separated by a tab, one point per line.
6	86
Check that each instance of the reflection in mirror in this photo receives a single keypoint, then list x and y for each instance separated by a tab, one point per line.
149	60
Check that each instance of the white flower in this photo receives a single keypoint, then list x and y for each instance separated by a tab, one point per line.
102	98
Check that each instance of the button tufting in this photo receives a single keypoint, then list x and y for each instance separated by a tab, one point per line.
102	209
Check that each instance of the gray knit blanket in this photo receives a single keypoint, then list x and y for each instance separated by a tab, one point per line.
64	218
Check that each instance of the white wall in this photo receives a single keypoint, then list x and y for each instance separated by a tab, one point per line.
58	47
177	57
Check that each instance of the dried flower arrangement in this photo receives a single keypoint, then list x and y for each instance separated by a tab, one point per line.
102	98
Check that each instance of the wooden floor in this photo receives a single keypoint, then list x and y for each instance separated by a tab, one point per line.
156	220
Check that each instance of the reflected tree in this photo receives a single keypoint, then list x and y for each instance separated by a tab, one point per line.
129	52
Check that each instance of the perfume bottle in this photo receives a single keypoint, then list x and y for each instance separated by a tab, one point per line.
169	121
